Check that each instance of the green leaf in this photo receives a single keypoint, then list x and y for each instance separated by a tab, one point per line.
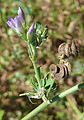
1	113
34	84
42	82
33	40
48	82
39	34
39	72
44	34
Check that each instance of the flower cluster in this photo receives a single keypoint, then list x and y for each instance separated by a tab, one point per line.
36	33
17	24
34	36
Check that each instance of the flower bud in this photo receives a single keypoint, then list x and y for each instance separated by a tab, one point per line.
31	29
21	14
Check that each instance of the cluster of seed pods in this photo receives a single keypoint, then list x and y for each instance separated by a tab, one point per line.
65	51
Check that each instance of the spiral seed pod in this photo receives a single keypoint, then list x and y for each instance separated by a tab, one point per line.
71	49
67	50
74	48
61	51
68	65
53	68
58	71
66	72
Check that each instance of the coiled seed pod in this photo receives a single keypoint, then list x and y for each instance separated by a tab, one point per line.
58	73
61	51
68	65
60	70
67	50
74	48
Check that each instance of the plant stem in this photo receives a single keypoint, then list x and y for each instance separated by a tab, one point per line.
56	98
69	91
37	74
32	55
36	110
50	87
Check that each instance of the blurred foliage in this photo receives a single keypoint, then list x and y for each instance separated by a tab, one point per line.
65	20
1	114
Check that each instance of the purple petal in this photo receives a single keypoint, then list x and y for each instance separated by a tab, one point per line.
11	20
18	24
9	23
31	29
21	14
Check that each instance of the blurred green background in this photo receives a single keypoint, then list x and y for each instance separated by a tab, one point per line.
65	20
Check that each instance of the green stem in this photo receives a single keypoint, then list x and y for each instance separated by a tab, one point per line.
69	91
50	87
32	55
36	110
37	74
56	98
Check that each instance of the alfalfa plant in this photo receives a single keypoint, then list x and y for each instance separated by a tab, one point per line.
43	82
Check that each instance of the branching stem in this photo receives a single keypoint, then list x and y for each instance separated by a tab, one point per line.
56	98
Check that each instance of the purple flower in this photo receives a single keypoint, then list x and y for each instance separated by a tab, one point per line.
31	29
15	24
21	14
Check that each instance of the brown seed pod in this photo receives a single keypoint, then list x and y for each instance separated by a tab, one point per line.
53	68
74	48
65	51
60	71
61	51
68	49
65	71
68	65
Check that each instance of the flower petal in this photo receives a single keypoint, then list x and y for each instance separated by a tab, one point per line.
21	14
31	29
9	23
18	24
11	20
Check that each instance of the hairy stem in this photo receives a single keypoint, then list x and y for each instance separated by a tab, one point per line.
37	74
56	98
32	55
